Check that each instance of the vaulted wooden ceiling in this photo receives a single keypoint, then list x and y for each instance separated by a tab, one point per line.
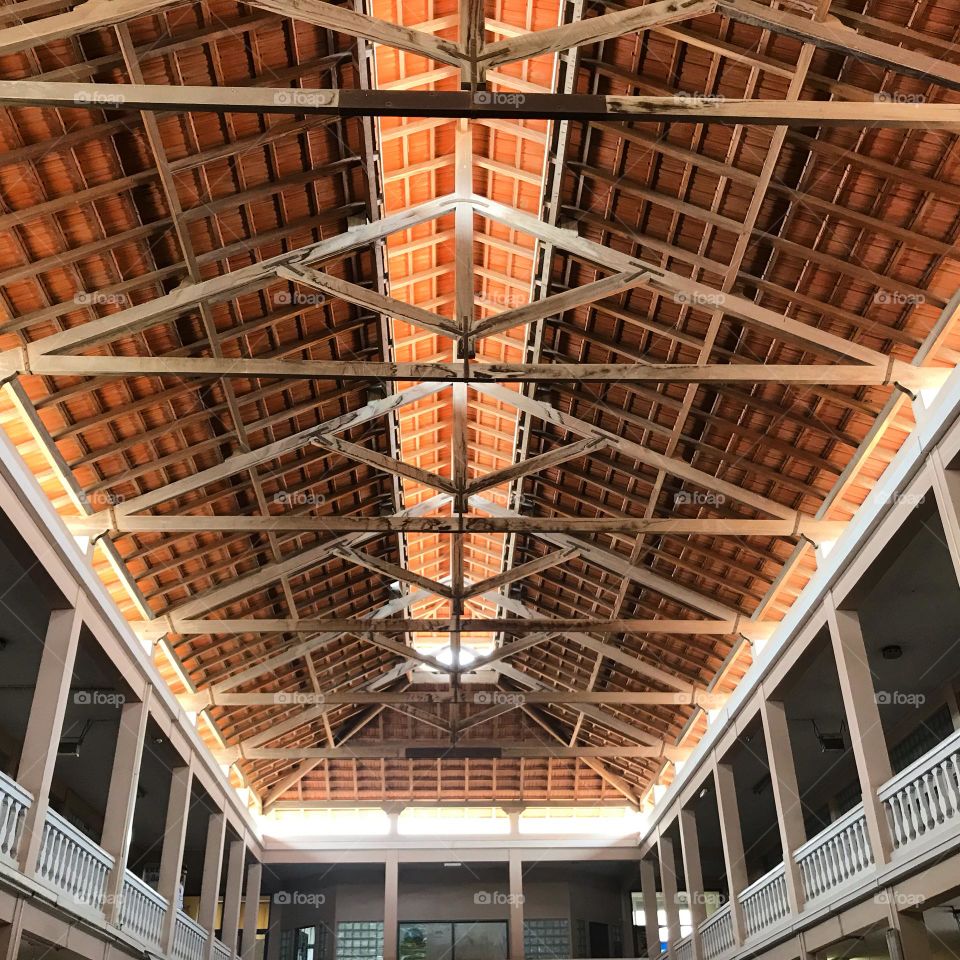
273	298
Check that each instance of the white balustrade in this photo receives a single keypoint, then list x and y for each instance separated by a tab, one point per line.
14	803
142	910
716	933
836	855
189	939
73	863
764	902
924	797
684	948
220	950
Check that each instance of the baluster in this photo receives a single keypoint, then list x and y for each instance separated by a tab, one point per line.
859	835
950	783
929	806
906	803
813	861
889	812
852	839
916	809
816	872
831	864
6	814
846	859
902	817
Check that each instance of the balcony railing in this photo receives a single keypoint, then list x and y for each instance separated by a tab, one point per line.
835	856
220	950
142	910
716	933
764	902
14	803
73	863
925	797
684	948
189	939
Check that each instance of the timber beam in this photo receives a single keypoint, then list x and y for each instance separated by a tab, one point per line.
209	698
680	108
116	524
420	750
33	360
519	626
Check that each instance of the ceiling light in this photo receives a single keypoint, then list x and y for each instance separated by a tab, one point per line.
830	742
892	651
445	656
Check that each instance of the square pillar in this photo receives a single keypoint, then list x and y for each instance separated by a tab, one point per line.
517	947
731	836
12	934
230	925
122	797
668	884
651	920
45	726
251	911
212	866
626	920
946	491
786	795
908	937
693	873
171	856
391	896
863	720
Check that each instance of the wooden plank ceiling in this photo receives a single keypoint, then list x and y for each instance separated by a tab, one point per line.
846	231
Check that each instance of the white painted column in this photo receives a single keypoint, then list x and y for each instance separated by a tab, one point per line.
668	884
45	726
786	795
251	910
230	925
946	490
693	874
517	949
863	721
648	886
174	838
626	920
391	897
12	934
122	796
731	836
908	938
212	867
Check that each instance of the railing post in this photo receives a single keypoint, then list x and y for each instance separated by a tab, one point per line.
517	947
863	720
651	920
212	866
391	895
122	798
171	856
230	925
786	795
251	910
731	836
668	884
45	726
693	875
